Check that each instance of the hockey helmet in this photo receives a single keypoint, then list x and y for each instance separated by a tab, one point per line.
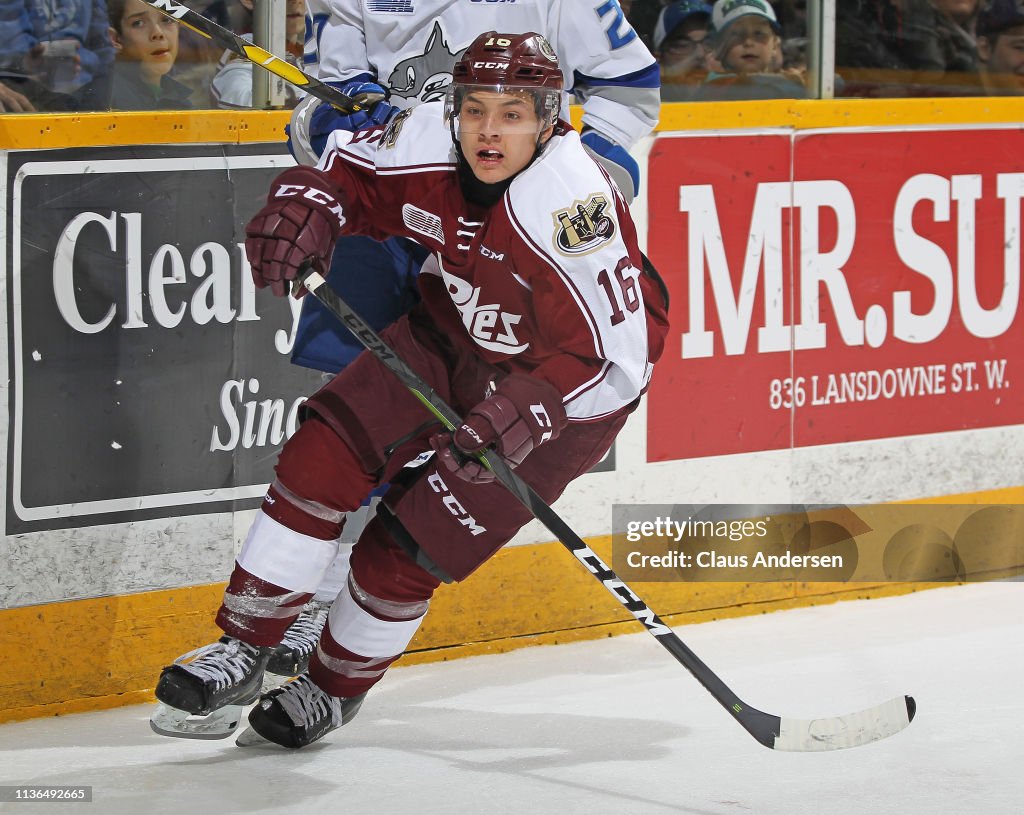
509	63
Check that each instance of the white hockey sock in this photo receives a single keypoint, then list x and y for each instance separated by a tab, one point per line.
279	555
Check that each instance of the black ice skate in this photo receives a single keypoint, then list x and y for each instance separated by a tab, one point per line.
213	683
297	714
291	657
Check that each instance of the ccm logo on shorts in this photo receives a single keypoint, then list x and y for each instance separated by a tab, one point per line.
453	505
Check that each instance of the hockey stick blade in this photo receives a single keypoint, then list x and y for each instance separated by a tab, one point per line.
256	55
812	735
852	730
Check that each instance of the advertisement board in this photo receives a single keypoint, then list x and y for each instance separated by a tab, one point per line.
149	378
819	300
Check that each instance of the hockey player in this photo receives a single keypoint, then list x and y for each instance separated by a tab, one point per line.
405	51
537	323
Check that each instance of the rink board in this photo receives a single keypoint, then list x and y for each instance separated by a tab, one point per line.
130	579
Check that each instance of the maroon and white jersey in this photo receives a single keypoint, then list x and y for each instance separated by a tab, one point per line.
547	281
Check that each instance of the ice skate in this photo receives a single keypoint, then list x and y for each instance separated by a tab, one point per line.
297	714
291	657
203	693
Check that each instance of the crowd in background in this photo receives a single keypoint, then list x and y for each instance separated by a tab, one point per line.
882	47
80	55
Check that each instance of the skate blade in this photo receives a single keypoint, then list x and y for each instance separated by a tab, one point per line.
271	681
250	738
179	724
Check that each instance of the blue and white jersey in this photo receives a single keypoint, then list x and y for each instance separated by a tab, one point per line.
411	46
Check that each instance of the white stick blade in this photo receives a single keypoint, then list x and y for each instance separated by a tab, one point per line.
842	732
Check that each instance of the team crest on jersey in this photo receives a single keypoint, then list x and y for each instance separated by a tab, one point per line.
583	227
394	128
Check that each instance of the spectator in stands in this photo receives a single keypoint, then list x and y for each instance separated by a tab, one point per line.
147	46
37	36
643	16
792	15
681	46
1000	29
912	35
13	102
746	60
198	56
887	35
954	29
22	93
231	86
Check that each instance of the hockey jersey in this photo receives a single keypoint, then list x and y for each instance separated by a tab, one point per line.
410	46
547	281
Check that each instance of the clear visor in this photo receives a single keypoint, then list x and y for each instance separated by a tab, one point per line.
501	109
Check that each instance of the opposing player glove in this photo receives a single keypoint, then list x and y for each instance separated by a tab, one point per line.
522	414
326	118
301	221
616	160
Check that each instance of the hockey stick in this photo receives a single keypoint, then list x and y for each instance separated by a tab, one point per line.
256	55
802	735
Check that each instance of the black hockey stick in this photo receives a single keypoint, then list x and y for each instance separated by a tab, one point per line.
256	55
804	735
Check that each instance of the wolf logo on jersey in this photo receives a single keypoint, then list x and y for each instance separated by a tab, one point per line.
427	75
583	227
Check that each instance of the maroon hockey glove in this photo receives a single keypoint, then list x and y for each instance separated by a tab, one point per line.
300	222
522	414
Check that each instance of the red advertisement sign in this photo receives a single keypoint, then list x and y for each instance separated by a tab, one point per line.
836	286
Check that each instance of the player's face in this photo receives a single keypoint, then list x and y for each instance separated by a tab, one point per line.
498	133
148	38
750	45
1003	57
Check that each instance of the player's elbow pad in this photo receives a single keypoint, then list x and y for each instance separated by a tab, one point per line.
616	159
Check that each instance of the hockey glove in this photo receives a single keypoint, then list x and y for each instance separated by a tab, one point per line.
326	118
616	160
522	414
300	222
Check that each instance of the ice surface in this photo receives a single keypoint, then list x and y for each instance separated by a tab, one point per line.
614	726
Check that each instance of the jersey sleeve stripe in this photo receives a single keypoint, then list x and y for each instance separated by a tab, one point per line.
416	168
577	296
649	77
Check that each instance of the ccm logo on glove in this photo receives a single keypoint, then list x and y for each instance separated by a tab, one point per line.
314	195
298	226
543	420
515	419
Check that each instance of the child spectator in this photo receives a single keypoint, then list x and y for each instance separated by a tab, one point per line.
147	46
681	46
231	86
746	62
1000	28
